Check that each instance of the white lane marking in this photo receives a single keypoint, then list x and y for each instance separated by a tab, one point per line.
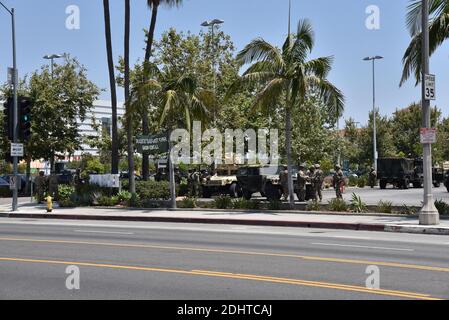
364	247
106	232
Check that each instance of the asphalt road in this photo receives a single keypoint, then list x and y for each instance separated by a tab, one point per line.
120	260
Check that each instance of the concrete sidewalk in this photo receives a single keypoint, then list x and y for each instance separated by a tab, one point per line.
366	222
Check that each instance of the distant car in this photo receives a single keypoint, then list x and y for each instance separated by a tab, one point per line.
22	180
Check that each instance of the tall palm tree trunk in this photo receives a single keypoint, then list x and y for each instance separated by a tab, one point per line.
129	121
114	151
288	135
145	123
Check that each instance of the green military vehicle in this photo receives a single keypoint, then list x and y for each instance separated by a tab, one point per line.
222	182
264	180
437	175
399	172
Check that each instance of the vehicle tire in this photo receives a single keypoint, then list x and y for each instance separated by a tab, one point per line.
417	185
437	184
234	191
405	184
383	184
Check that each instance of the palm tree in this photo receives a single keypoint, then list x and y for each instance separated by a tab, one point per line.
287	78
112	82
129	119
438	33
154	5
183	96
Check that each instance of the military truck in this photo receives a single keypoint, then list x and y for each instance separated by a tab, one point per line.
437	175
222	181
264	180
399	172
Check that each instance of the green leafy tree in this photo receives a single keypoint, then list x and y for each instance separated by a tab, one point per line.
287	77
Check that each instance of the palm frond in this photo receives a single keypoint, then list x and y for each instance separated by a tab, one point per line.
259	50
169	102
270	94
329	94
319	67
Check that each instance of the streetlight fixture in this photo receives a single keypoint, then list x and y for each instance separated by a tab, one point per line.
373	59
429	214
52	57
15	99
212	24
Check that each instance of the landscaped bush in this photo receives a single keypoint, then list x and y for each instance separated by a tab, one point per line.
124	196
82	200
384	207
245	204
152	190
353	181
338	205
65	191
66	203
442	207
188	203
362	182
223	202
357	205
313	206
407	210
106	201
134	201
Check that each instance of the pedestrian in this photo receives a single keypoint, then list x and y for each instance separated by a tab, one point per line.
283	179
53	186
302	180
312	184
40	186
318	181
372	178
196	177
339	181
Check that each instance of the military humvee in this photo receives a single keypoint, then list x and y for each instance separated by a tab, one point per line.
399	172
223	181
254	179
446	181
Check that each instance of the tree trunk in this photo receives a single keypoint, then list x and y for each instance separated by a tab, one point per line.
28	175
129	122
288	135
114	151
145	124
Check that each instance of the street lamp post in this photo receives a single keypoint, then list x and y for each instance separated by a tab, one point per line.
15	113
52	57
212	25
429	214
373	59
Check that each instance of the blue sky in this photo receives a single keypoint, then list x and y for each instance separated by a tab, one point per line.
339	27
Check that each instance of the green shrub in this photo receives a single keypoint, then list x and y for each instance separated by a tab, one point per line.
384	207
313	206
150	204
65	191
188	203
275	205
245	204
357	205
152	190
66	203
362	182
223	202
353	181
82	200
106	201
134	201
124	196
442	207
338	205
407	210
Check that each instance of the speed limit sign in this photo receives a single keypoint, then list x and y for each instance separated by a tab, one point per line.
429	87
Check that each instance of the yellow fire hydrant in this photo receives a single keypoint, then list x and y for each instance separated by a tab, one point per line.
49	204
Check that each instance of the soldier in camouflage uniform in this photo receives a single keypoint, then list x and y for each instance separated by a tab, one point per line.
318	180
283	177
302	179
53	185
339	181
41	183
311	174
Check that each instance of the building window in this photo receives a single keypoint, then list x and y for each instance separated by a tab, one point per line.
106	125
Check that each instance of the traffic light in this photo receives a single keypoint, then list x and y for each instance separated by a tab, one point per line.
24	119
8	118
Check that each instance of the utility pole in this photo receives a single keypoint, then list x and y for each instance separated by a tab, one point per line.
429	214
15	82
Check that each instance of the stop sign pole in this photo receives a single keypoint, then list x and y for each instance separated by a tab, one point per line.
429	214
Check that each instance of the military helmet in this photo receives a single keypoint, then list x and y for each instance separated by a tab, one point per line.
317	166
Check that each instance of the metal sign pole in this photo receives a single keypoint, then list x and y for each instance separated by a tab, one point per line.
172	177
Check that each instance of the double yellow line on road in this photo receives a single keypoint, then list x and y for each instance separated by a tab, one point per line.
205	273
236	252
